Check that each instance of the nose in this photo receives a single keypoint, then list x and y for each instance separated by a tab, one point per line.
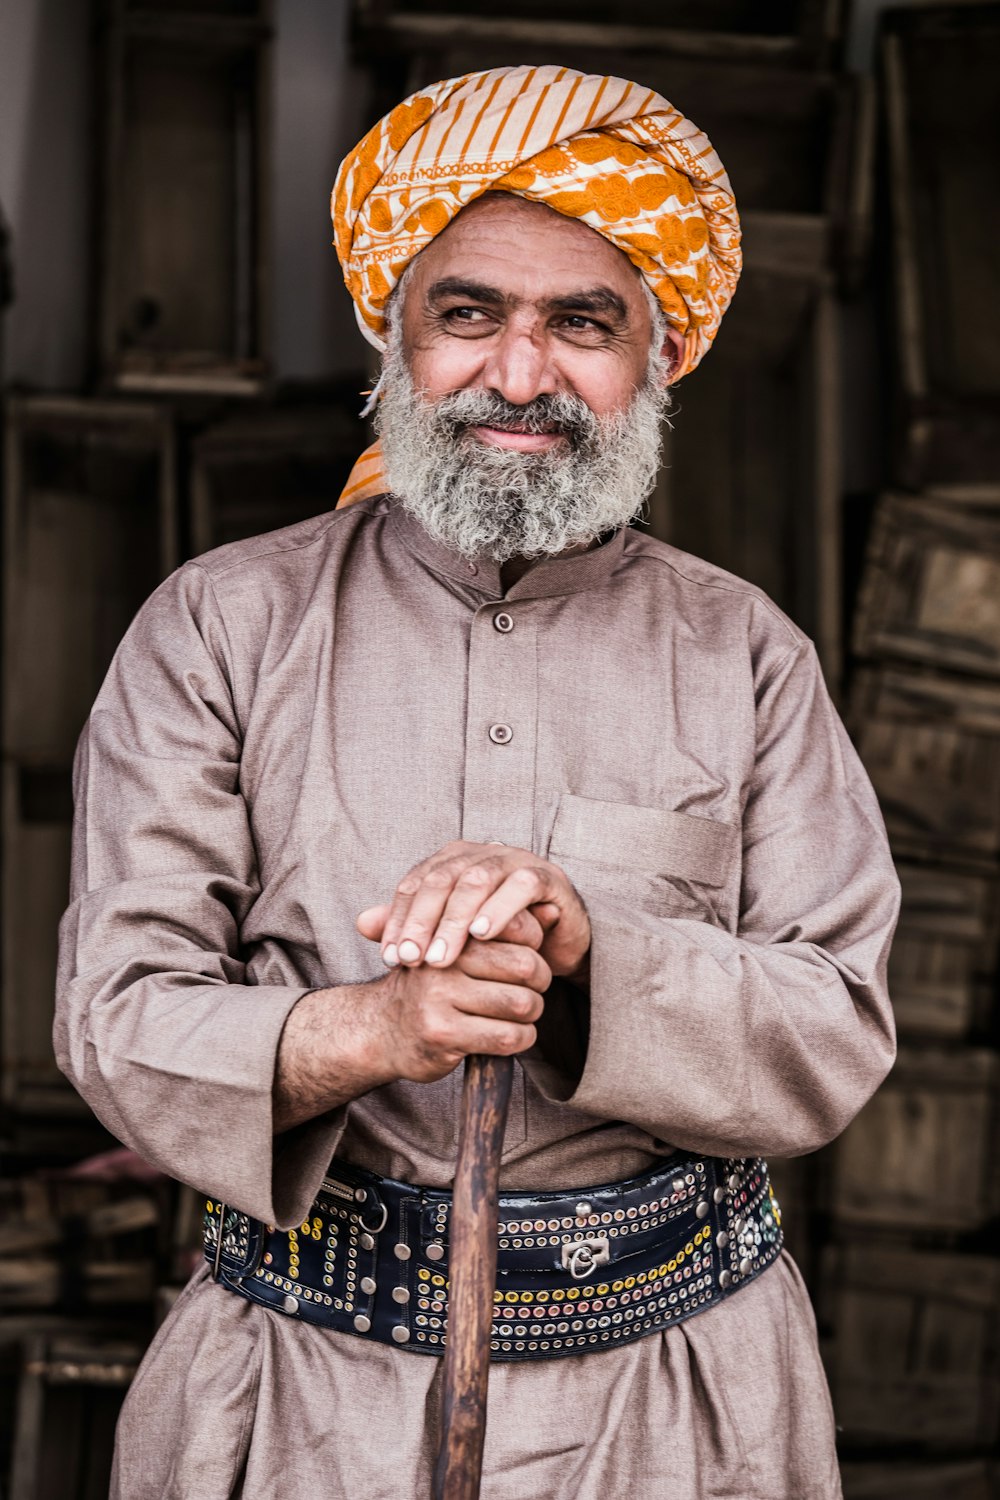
519	366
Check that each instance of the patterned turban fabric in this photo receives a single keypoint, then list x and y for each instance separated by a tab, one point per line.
612	154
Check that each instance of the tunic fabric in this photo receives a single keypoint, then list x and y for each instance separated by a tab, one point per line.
289	725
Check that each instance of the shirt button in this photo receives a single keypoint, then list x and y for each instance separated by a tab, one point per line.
503	622
472	568
501	734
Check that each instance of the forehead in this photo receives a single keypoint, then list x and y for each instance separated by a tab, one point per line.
526	249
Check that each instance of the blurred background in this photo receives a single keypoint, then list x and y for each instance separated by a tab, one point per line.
180	367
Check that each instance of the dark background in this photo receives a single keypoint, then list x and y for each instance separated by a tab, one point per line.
181	366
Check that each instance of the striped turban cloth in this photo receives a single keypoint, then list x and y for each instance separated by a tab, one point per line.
612	154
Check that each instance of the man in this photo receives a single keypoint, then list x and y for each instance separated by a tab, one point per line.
471	766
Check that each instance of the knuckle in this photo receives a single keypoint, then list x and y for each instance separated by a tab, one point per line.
476	877
523	1005
440	878
521	964
408	886
508	1039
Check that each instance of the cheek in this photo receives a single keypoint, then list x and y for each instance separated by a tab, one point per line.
606	383
447	367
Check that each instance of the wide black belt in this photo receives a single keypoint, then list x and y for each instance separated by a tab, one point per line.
577	1271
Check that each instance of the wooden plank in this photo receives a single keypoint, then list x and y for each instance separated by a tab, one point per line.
107	1219
921	1154
944	954
913	1353
71	1390
258	472
90	529
803	33
977	1479
931	588
939	66
931	746
186	141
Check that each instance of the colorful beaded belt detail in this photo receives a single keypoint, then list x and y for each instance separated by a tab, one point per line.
577	1271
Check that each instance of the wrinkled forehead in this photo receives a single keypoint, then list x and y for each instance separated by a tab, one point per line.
526	249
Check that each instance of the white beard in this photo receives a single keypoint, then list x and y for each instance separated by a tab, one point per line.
484	501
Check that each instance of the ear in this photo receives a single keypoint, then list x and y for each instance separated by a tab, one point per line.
673	353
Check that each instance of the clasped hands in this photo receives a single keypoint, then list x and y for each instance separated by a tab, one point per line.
472	938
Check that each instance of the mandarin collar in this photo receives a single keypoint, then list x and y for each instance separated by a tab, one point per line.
548	577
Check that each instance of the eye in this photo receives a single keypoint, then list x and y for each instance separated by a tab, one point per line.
468	317
582	328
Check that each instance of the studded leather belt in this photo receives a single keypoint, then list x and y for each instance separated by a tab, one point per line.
577	1271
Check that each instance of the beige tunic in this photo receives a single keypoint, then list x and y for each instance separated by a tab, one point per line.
290	724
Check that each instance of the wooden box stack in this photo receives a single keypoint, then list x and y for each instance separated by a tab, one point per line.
911	1284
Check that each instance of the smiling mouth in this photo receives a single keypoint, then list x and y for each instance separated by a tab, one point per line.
519	439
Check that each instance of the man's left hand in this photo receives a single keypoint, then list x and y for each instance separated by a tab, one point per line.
479	889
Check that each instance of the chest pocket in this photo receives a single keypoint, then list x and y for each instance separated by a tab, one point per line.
666	862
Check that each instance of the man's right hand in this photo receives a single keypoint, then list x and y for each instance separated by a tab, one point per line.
487	1001
414	1023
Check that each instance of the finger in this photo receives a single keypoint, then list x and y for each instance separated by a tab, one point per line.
450	895
497	1038
525	928
404	894
527	886
546	913
508	963
499	1001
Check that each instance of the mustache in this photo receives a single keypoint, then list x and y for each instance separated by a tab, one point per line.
568	416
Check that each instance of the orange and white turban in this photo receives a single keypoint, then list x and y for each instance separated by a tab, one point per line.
610	153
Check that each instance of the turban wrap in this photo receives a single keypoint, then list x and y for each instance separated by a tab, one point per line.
612	154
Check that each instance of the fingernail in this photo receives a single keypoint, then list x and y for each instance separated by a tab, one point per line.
409	952
389	956
479	926
437	951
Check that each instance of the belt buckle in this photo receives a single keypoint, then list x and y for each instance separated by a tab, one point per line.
579	1257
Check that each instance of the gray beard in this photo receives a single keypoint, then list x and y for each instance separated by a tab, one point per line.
482	501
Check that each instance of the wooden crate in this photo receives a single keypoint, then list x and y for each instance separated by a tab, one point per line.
915	1347
270	468
71	1390
184	259
74	1242
922	1154
90	529
940	66
931	590
790	33
978	1479
942	967
931	746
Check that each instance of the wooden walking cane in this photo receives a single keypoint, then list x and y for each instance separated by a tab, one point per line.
472	1276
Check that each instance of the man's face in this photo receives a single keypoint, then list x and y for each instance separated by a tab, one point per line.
517	299
521	399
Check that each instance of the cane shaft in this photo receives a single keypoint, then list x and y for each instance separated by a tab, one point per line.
472	1277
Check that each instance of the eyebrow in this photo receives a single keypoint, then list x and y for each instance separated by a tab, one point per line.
599	299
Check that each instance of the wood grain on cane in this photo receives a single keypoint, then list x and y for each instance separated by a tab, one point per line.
473	1261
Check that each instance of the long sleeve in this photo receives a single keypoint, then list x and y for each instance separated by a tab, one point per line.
769	1039
159	1022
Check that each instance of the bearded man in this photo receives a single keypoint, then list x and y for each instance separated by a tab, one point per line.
469	765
